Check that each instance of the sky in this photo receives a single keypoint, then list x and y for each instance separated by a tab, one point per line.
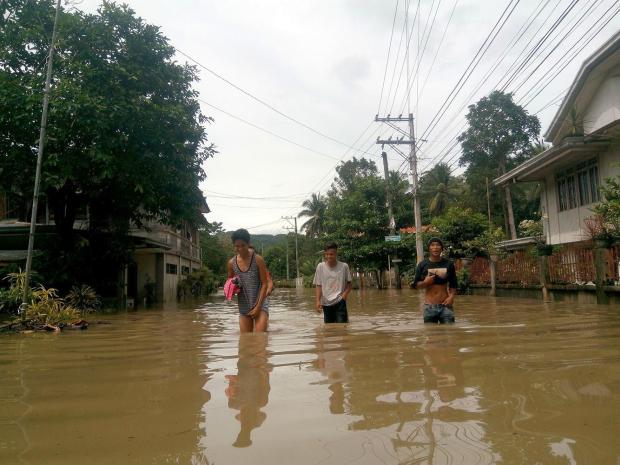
322	69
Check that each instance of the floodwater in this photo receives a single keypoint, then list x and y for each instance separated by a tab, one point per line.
512	382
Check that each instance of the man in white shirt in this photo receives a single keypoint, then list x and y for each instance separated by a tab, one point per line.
333	284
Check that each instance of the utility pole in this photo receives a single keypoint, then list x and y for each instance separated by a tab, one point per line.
37	178
288	218
288	277
391	216
413	165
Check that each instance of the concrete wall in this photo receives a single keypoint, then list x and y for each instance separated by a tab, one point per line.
604	107
147	271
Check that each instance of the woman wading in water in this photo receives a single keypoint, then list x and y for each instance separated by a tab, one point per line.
251	273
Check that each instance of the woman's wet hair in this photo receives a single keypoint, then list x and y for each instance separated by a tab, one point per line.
241	235
330	245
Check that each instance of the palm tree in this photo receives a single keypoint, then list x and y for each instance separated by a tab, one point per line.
314	208
438	186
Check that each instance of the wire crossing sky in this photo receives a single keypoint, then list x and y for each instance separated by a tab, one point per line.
294	86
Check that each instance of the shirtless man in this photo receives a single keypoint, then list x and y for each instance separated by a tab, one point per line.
437	276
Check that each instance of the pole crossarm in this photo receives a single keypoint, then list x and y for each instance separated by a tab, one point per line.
394	141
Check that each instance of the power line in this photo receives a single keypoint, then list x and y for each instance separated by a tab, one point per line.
387	61
471	67
267	130
262	102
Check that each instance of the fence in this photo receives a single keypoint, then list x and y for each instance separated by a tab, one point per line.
572	264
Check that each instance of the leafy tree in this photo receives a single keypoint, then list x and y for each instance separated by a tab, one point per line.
126	138
314	208
499	136
438	188
356	215
215	248
458	226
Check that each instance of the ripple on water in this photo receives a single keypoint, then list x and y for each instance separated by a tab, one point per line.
511	382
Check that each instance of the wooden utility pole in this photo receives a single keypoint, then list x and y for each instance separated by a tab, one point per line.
413	165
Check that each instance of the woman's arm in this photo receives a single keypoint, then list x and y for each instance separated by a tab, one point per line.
229	267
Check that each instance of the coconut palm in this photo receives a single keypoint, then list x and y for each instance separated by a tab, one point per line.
314	209
439	188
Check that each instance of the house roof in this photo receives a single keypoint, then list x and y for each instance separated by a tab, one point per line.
554	158
590	76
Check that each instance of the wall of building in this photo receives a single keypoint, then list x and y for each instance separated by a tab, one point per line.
604	107
568	225
147	271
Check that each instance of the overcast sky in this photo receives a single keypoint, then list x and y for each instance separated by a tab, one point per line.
322	62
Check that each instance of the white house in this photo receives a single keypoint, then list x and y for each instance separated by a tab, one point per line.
585	133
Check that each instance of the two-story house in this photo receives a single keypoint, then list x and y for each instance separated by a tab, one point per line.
585	137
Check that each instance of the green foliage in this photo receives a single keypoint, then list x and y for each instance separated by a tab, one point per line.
486	243
314	209
438	190
199	283
215	248
608	210
499	136
462	279
126	137
458	226
357	217
532	228
46	308
11	297
83	298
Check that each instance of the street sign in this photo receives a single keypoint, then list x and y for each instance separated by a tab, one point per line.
392	238
396	260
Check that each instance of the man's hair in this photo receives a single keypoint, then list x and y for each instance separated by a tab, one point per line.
330	245
435	239
241	235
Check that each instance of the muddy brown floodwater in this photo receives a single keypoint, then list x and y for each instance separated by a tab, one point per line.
512	382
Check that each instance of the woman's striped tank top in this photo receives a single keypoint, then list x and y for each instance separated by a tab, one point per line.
250	286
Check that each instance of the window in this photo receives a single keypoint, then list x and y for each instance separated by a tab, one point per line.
171	268
578	186
185	270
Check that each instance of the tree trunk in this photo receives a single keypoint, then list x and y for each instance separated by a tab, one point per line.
508	198
511	216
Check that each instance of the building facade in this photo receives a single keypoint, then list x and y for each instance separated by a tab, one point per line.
585	138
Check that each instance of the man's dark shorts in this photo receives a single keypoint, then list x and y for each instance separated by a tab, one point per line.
336	313
438	313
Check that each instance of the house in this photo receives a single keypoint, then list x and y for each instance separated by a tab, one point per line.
162	255
585	138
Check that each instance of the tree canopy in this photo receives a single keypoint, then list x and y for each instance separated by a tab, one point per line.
126	136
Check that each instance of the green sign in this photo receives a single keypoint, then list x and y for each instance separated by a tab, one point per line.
392	238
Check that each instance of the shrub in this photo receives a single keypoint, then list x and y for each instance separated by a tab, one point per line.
46	308
83	298
197	284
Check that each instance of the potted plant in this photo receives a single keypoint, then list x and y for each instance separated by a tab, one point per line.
602	233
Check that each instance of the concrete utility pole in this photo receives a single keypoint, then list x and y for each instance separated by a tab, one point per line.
413	165
37	178
287	268
288	218
388	197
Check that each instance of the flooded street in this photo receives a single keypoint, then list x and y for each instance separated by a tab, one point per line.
512	382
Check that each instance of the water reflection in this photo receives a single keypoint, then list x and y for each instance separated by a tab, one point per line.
248	390
331	363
